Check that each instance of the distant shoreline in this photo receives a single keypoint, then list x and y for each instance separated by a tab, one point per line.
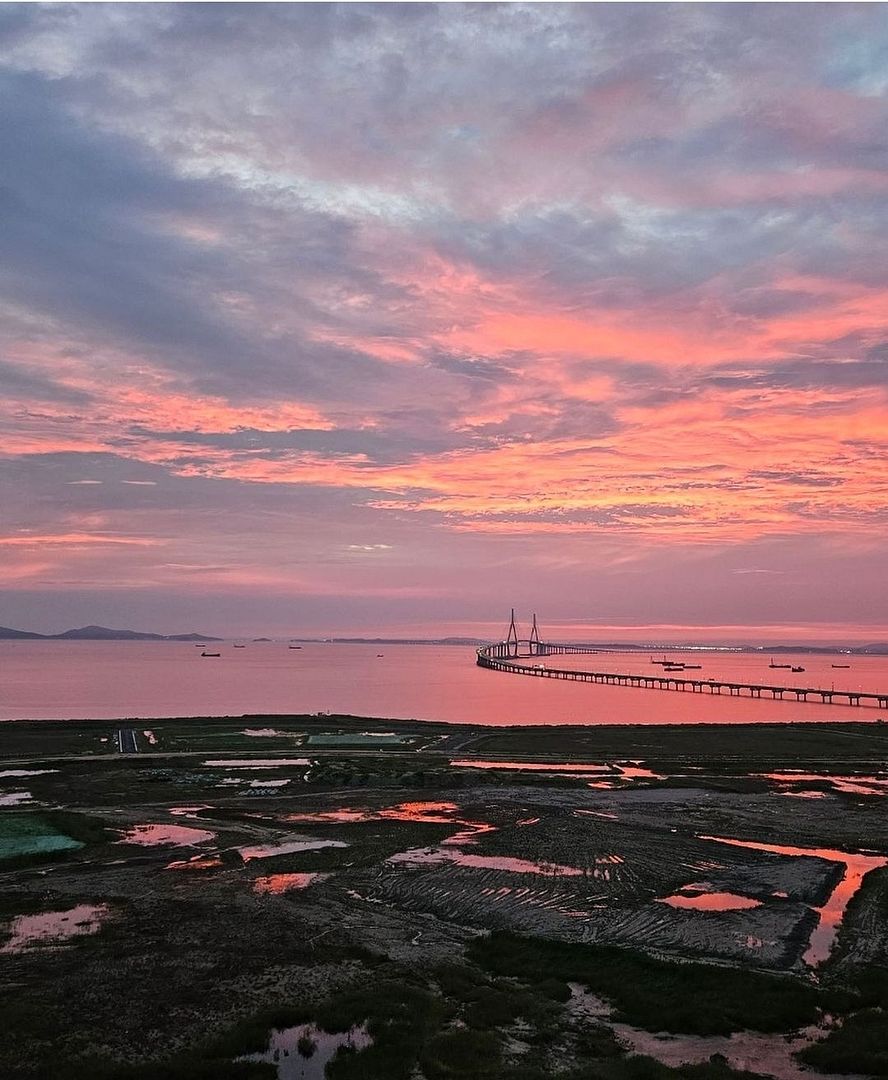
351	719
102	634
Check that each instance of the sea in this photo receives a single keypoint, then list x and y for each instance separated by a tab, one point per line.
115	679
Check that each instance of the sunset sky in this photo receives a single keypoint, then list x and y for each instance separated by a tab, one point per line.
382	319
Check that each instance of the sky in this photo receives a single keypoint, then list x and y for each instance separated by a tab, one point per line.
369	319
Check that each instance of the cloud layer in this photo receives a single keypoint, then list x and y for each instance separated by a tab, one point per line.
330	318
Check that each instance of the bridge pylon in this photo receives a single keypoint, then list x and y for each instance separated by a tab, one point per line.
512	638
534	642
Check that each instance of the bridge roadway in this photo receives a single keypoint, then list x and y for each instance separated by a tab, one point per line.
506	656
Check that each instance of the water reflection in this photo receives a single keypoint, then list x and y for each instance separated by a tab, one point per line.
275	884
15	798
5	773
197	863
157	834
531	766
286	847
711	901
830	914
851	785
427	813
54	927
303	1052
57	680
428	856
255	763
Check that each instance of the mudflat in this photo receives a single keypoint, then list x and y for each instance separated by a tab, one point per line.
210	896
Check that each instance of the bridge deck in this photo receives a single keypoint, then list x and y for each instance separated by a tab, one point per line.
502	656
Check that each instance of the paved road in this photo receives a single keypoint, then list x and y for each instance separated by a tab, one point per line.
126	741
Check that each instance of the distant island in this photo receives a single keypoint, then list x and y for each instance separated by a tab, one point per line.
98	633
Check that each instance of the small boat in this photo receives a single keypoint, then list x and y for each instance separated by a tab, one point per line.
693	667
379	655
199	646
295	646
211	654
797	669
240	646
840	665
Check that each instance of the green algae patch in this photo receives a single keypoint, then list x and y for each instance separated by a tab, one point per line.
26	835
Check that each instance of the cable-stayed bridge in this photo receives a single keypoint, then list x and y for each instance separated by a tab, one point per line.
507	656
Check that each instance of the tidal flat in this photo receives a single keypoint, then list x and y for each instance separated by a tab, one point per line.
454	902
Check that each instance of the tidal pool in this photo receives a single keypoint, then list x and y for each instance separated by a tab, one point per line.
15	798
850	785
275	884
432	813
750	1051
426	856
158	834
5	773
633	771
287	847
54	927
531	766
830	914
710	901
197	863
255	763
293	1064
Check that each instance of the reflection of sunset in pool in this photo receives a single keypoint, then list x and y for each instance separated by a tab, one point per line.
830	914
275	884
715	901
156	835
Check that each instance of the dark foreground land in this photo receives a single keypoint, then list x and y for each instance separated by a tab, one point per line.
301	897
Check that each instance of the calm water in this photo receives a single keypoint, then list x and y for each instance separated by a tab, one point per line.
58	680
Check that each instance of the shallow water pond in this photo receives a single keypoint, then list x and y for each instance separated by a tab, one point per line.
6	773
830	914
198	864
295	1064
275	884
15	798
155	835
287	847
850	785
255	763
531	766
428	813
54	927
711	901
431	856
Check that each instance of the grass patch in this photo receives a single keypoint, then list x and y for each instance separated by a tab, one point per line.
658	995
462	1053
400	1018
860	1045
184	1067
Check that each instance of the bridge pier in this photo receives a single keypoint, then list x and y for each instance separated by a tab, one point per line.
505	656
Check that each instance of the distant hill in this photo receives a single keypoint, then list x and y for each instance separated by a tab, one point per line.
6	632
99	633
